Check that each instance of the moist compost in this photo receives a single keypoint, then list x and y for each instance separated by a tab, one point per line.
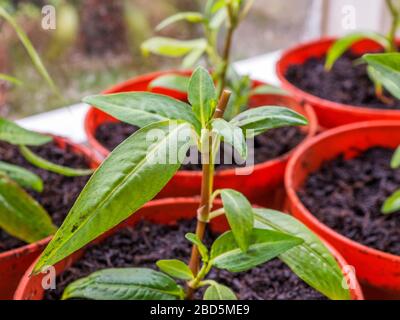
270	145
145	244
347	82
347	196
59	193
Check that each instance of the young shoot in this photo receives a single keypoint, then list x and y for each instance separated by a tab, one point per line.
130	177
392	204
387	42
20	214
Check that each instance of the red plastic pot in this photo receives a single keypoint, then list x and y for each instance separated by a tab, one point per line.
14	263
378	271
330	114
264	186
163	211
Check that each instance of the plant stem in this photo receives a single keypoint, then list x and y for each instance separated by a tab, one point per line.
395	22
206	191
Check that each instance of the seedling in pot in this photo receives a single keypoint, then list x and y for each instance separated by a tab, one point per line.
217	14
388	42
20	214
133	174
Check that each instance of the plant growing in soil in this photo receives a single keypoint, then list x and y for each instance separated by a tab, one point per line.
216	15
142	165
388	42
20	214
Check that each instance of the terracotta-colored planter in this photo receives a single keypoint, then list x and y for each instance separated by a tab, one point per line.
14	263
264	186
330	114
377	270
163	211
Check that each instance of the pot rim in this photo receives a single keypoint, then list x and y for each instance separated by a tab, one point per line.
29	247
295	200
315	100
312	128
356	292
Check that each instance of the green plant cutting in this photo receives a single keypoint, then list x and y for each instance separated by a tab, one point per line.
140	167
20	214
388	43
218	16
387	70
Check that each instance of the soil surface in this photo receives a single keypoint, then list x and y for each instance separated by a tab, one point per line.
59	193
267	146
346	83
347	196
147	243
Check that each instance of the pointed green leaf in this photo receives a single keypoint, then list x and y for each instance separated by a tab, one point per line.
143	108
132	175
219	292
232	135
14	134
193	17
264	246
311	260
345	43
171	81
176	269
10	79
125	284
171	47
202	95
23	177
258	120
240	216
395	163
387	70
392	204
20	215
193	57
200	246
52	167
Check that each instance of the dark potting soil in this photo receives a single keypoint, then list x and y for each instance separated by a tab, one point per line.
346	83
347	196
59	193
269	145
145	244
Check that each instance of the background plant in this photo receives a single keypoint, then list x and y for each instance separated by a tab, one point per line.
388	43
20	214
130	177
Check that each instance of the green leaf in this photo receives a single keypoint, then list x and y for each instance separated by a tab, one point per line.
52	167
202	95
395	163
232	135
193	17
171	47
37	62
20	215
344	43
143	108
171	81
269	89
134	173
176	269
218	19
311	260
392	204
14	134
264	246
200	246
240	216
387	67
125	284
23	177
261	119
219	292
10	79
193	57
